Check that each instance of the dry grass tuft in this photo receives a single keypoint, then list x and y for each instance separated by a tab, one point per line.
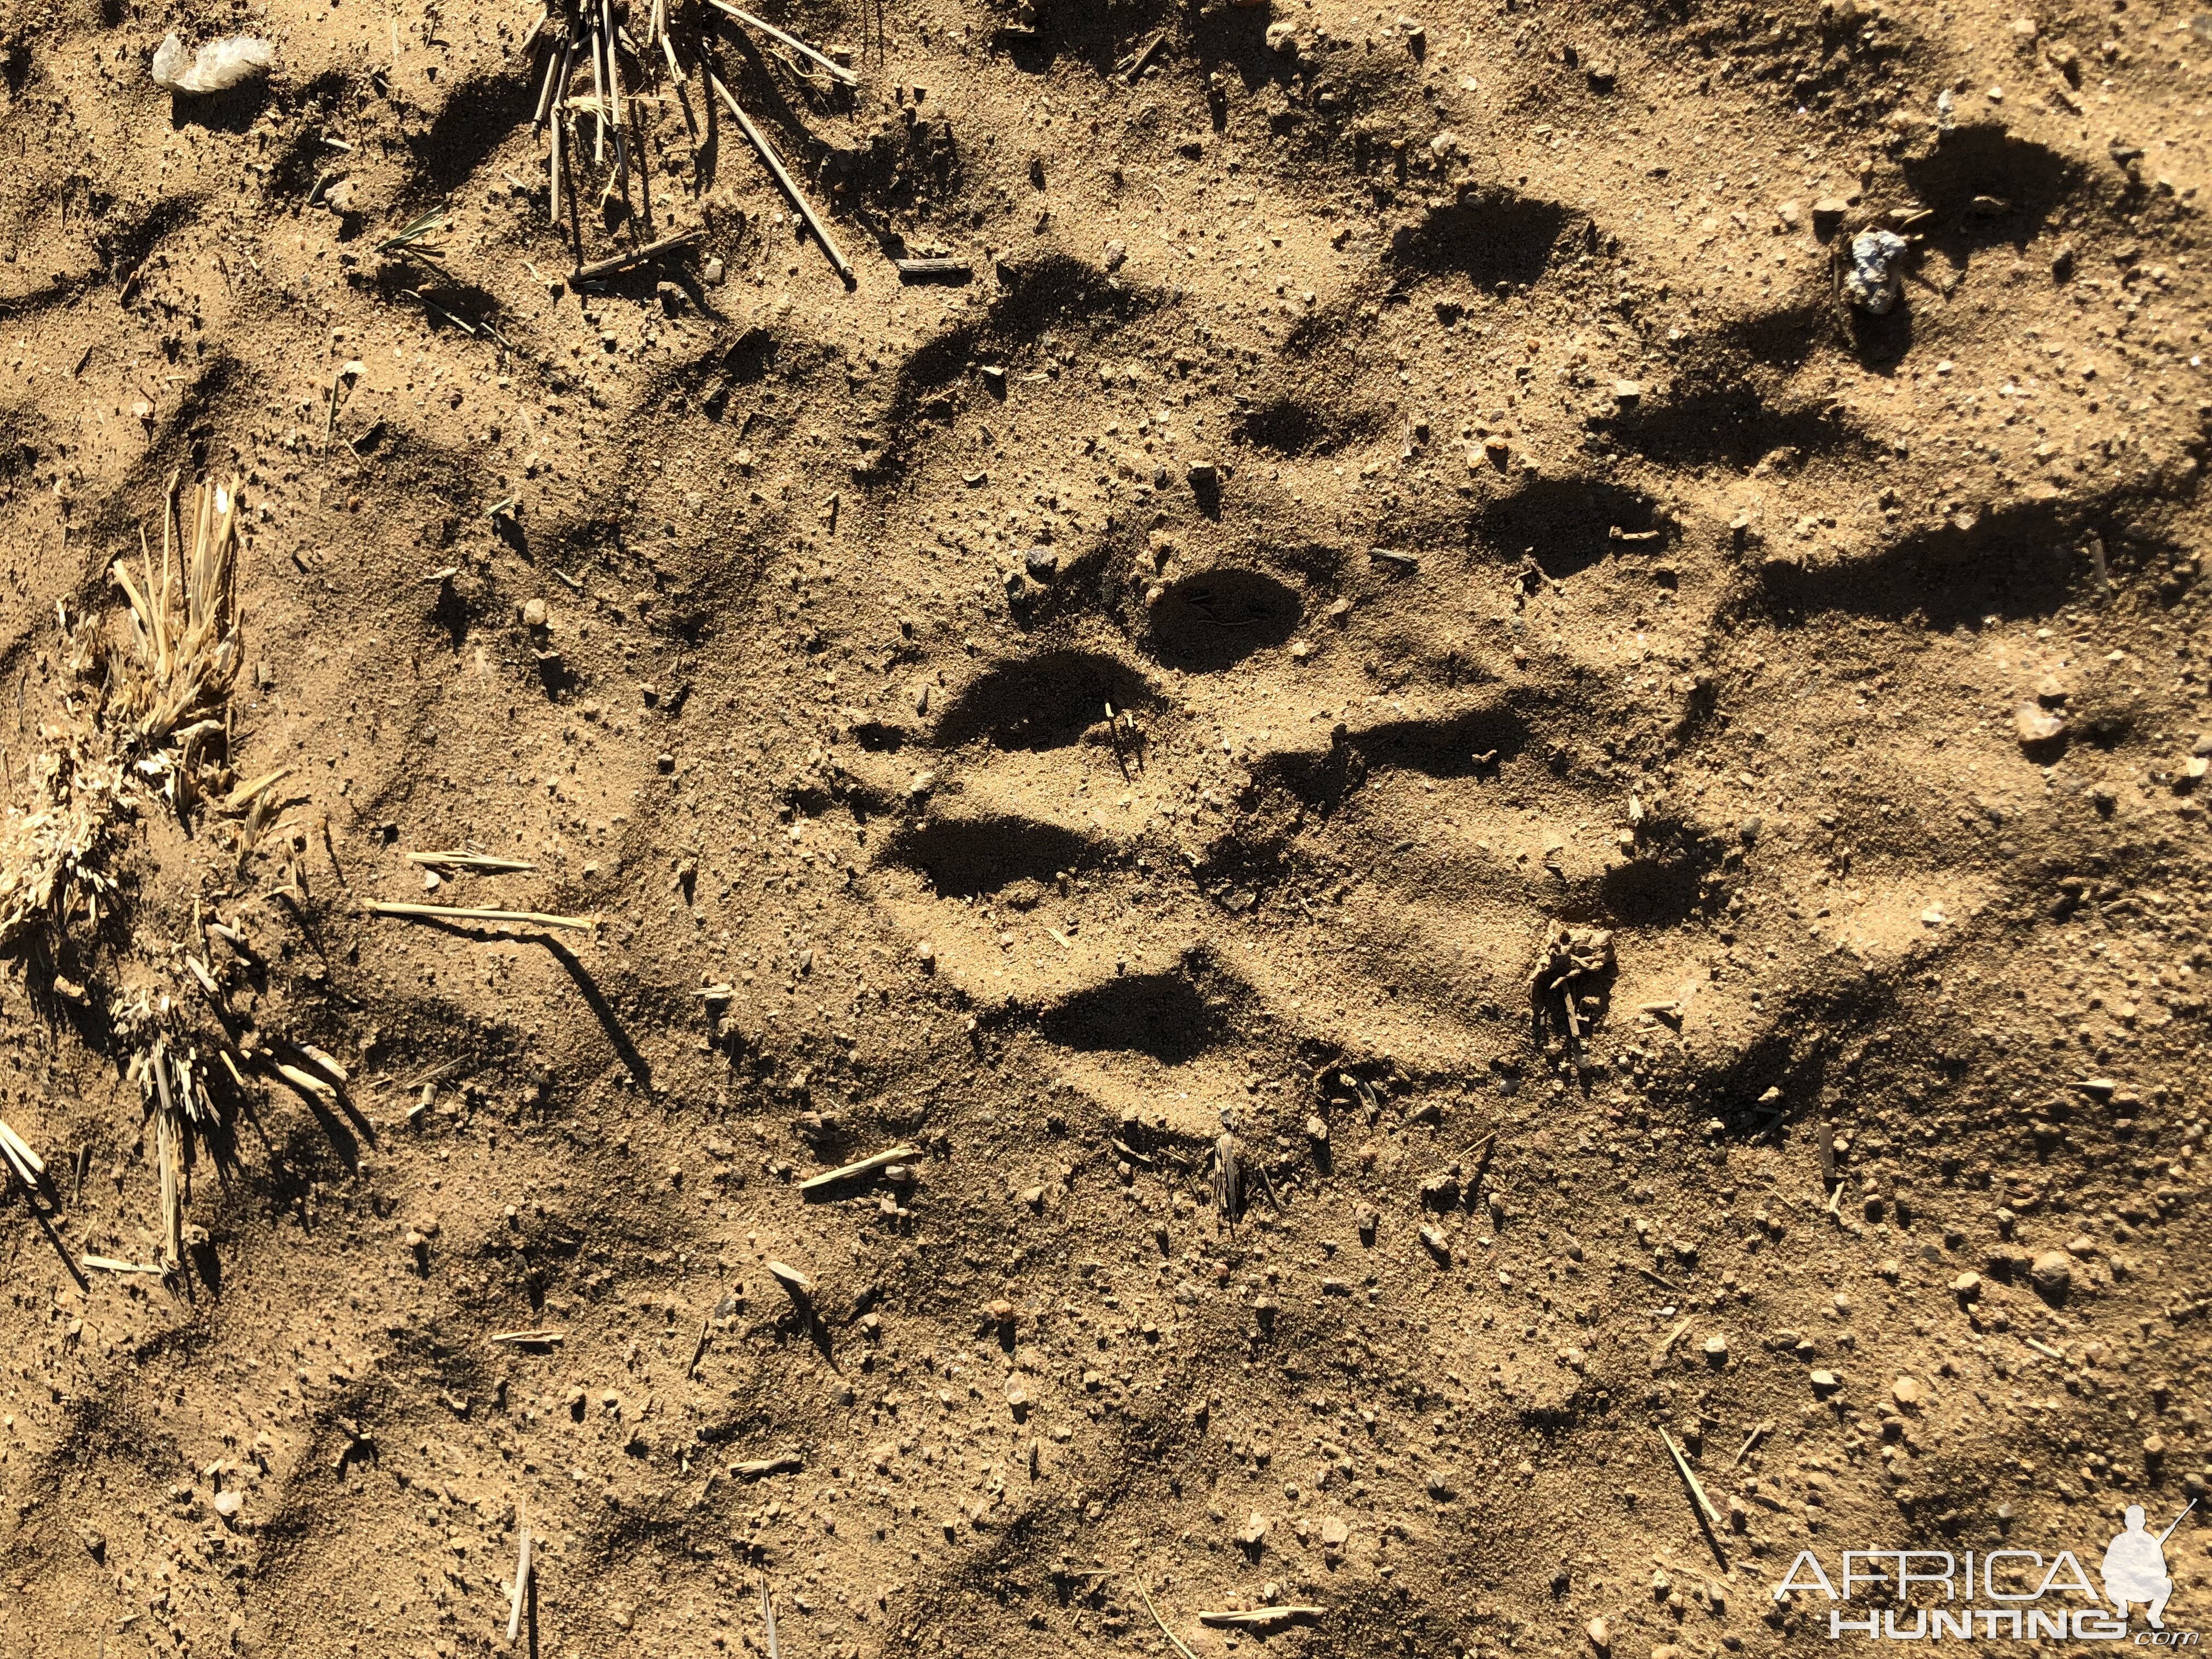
163	713
169	699
53	853
172	1079
161	723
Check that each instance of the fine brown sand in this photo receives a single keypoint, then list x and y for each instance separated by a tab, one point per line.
1392	487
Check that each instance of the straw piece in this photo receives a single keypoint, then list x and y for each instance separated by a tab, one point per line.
110	1265
521	1571
790	185
1713	1514
459	860
866	1166
306	1082
599	96
472	913
22	1149
761	1467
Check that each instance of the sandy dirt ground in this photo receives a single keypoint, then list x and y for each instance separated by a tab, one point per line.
1386	605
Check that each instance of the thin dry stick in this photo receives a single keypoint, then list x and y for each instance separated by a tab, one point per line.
553	60
472	913
790	185
620	181
638	256
1751	1440
1258	1618
576	200
768	1617
636	131
761	1467
165	1143
837	71
560	120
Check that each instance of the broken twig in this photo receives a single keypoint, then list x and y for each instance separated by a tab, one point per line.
638	256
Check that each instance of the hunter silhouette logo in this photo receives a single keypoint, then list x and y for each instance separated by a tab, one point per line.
1984	1596
2134	1567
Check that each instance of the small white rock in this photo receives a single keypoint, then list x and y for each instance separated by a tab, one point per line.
2037	724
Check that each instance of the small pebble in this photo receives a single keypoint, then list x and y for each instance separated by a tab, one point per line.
2051	1272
